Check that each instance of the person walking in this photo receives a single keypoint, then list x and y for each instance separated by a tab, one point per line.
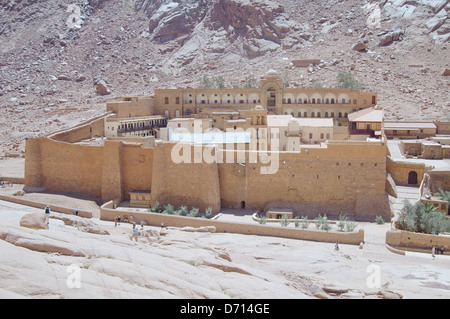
47	214
135	232
336	246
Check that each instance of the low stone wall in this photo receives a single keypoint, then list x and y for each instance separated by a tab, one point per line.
354	238
415	241
53	208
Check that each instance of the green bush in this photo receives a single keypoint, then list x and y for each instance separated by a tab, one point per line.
156	208
342	221
305	222
422	218
285	221
208	212
345	80
193	212
350	225
379	220
262	220
325	224
168	209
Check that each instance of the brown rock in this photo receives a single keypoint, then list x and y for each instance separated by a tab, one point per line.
34	221
360	46
446	72
385	40
102	88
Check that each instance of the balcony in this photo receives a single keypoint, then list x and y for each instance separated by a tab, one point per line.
362	132
140	128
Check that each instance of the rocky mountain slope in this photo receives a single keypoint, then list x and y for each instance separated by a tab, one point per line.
53	53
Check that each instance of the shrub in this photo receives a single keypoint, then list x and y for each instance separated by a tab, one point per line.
285	221
156	208
168	209
325	224
422	218
183	210
208	212
262	220
305	222
318	221
379	220
297	222
350	225
345	80
342	221
193	212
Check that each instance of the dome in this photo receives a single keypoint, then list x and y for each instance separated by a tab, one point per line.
272	75
259	108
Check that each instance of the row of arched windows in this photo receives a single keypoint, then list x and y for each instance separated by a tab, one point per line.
319	114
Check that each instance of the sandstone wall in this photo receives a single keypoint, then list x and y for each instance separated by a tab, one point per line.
194	185
405	240
400	171
348	178
70	167
94	127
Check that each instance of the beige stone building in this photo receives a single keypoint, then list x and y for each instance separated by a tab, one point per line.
310	172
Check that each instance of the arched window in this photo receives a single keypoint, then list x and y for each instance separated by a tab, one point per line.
289	101
340	114
332	114
305	114
319	101
318	114
312	114
332	101
327	101
326	114
313	101
166	100
177	100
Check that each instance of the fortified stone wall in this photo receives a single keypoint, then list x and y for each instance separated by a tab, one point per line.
94	127
343	176
348	178
193	185
71	168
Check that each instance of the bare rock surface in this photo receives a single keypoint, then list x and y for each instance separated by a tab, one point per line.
180	264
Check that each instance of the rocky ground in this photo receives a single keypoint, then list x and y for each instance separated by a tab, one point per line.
53	54
177	264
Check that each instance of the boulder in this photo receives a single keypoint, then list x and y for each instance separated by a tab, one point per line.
446	72
102	88
34	221
386	39
360	46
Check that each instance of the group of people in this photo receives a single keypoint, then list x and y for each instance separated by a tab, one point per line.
135	233
435	251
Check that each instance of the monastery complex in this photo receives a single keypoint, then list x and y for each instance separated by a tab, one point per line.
309	151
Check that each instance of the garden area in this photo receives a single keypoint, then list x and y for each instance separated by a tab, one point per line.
423	217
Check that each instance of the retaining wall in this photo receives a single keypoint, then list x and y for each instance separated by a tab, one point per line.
107	212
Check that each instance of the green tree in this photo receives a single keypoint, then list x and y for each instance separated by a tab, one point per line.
313	84
345	80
